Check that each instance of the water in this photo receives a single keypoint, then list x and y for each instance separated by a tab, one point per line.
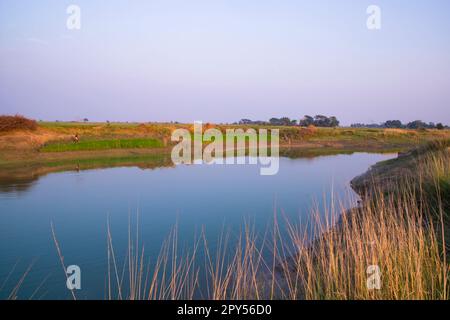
216	197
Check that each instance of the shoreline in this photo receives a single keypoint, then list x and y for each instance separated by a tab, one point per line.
380	179
27	148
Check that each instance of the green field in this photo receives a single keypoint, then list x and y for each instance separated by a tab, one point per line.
102	145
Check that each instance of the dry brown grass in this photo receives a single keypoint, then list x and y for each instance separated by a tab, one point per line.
395	236
17	122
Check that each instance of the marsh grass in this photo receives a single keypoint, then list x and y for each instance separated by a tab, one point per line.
89	145
172	276
14	293
390	233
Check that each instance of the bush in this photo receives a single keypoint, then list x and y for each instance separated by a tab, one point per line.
17	122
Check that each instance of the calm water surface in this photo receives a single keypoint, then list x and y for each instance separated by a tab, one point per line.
217	198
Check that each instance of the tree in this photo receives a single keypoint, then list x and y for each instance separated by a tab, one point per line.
417	124
86	120
393	124
274	121
334	122
321	121
440	126
285	121
245	121
306	121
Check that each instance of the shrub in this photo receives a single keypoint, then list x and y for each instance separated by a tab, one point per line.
17	122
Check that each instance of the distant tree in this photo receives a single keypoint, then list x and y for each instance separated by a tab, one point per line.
245	121
321	121
334	122
393	124
275	122
285	121
440	126
417	124
306	121
86	120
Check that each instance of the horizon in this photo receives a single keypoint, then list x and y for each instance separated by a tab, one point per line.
223	61
217	123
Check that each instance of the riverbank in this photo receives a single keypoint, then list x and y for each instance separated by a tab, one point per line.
53	141
392	246
424	170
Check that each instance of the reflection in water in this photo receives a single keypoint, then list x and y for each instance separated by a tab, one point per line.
15	184
19	180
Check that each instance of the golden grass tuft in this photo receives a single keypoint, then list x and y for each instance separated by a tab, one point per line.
17	122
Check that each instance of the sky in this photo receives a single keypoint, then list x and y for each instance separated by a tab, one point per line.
223	60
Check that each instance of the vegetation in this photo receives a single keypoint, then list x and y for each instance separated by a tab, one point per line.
17	122
102	145
397	124
426	168
49	141
318	121
294	134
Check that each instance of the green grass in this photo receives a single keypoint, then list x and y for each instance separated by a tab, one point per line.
102	145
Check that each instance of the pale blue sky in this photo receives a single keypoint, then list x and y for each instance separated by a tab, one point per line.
220	61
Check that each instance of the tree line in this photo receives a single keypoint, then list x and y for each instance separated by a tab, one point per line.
317	121
397	124
332	122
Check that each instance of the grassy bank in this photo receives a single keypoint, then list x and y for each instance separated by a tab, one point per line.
31	147
288	135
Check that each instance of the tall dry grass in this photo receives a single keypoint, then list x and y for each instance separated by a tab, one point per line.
392	235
